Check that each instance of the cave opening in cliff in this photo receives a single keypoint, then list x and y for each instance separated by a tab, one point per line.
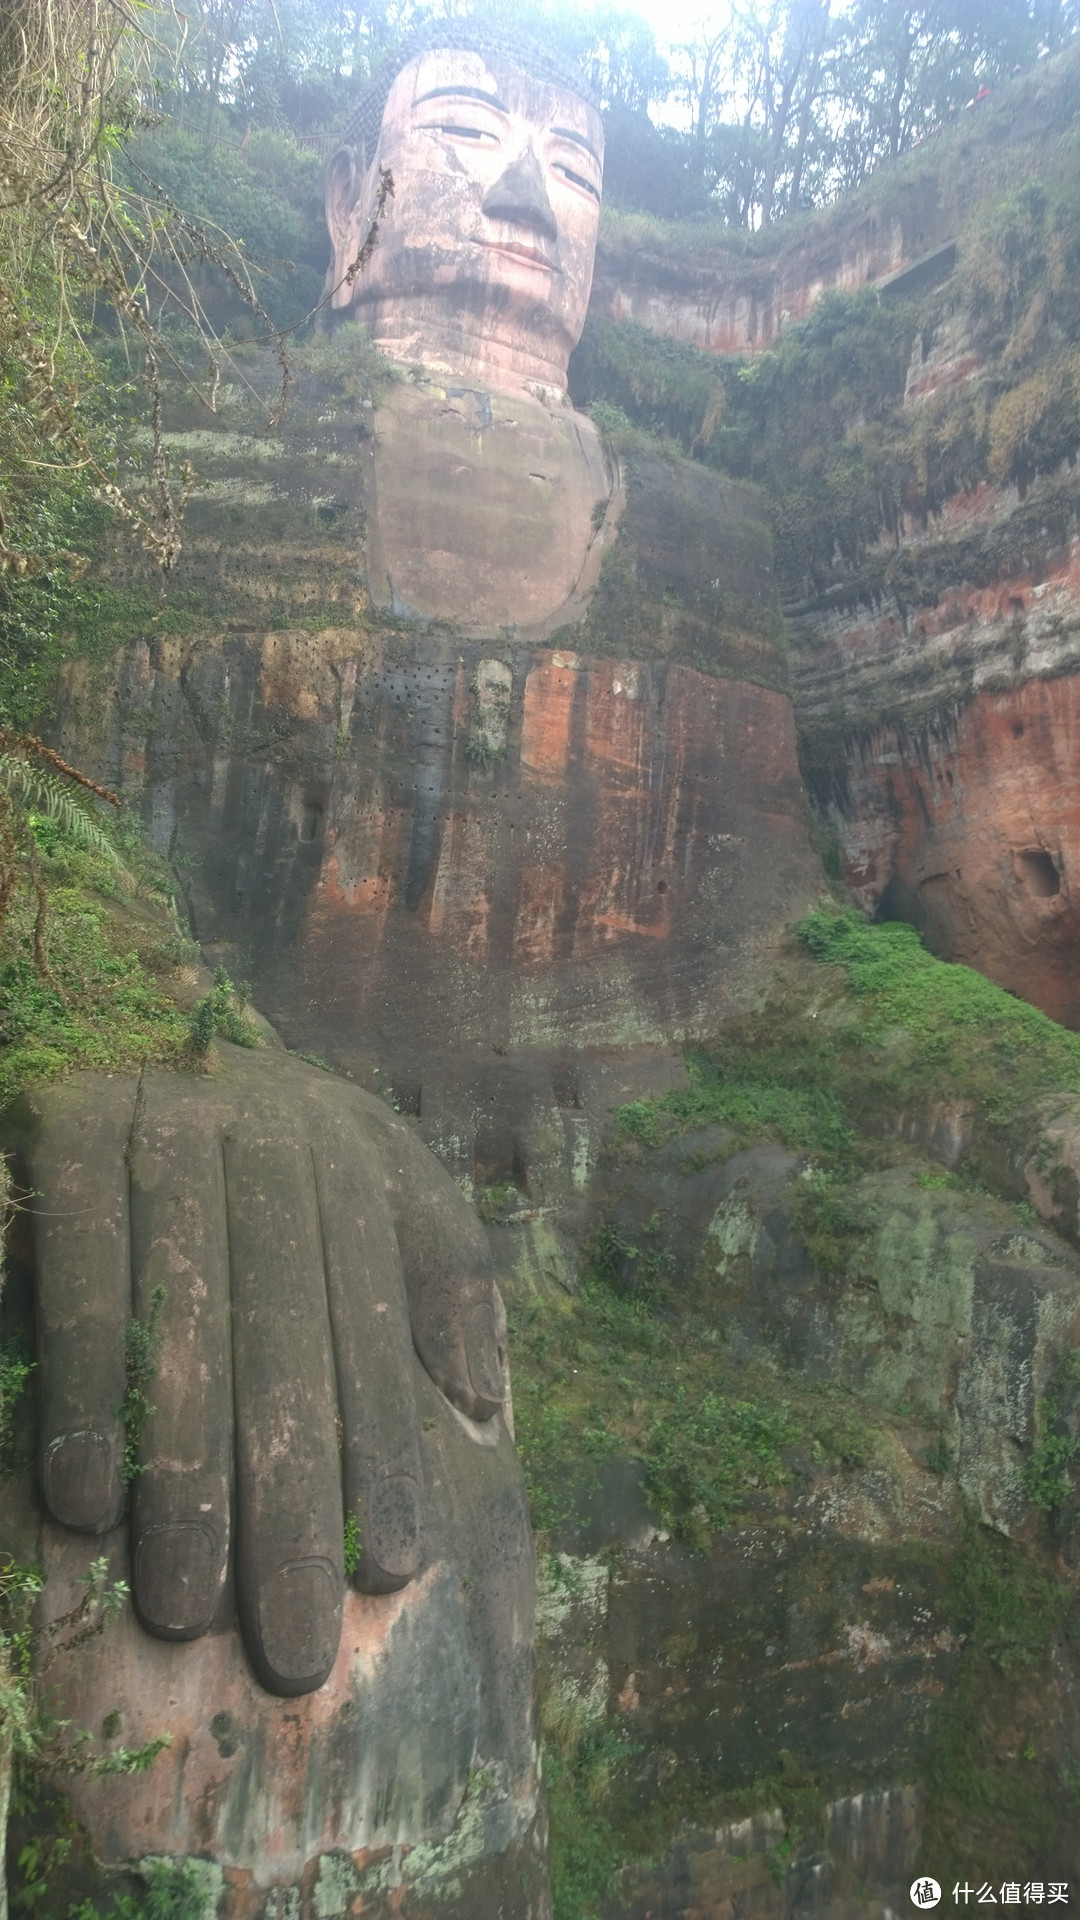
1038	871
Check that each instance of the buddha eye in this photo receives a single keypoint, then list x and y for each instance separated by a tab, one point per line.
576	179
478	136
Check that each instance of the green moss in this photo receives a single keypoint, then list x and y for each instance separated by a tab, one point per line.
818	420
692	580
50	616
923	1027
634	378
582	1774
901	1028
993	1795
1051	1471
142	1346
106	1005
800	1113
621	1371
16	1369
353	1544
865	1023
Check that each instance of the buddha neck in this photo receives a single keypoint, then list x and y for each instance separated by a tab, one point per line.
493	349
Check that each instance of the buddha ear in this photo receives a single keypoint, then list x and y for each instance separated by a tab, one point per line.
344	178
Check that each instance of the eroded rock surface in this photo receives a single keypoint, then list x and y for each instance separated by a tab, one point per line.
816	1661
425	846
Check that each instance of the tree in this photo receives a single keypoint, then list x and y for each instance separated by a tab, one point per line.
789	42
623	63
83	241
900	68
701	72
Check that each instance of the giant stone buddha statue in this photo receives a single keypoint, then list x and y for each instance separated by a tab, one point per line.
326	1538
487	482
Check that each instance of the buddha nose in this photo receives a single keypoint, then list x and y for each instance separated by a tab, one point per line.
520	195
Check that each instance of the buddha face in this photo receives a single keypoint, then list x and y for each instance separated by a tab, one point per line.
485	253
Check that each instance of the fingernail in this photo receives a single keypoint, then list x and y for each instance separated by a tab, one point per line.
81	1484
393	1511
177	1578
482	1350
299	1616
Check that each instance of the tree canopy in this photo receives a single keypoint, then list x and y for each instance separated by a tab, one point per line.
773	105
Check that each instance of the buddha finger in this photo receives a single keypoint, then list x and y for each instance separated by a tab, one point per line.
180	1385
449	1281
373	1353
75	1139
289	1521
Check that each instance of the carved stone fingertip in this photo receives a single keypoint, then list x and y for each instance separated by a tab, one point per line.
82	1483
298	1619
394	1524
482	1352
177	1579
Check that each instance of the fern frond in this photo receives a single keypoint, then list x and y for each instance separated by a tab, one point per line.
52	796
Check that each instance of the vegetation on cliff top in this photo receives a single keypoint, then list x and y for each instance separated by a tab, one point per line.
819	418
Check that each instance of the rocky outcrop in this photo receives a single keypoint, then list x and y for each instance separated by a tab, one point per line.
970	831
937	724
893	232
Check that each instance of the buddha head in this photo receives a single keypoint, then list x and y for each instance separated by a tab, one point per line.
484	258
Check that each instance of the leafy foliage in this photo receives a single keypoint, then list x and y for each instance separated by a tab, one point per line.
865	1025
643	379
15	1372
1051	1471
268	199
583	1762
943	1028
142	1345
222	1010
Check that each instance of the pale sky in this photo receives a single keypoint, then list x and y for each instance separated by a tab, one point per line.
675	20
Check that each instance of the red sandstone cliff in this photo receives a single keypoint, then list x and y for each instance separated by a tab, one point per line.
922	465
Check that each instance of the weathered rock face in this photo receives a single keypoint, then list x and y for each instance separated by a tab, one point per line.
818	1659
597	884
958	808
975	837
946	1311
942	771
424	848
723	304
871	1841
